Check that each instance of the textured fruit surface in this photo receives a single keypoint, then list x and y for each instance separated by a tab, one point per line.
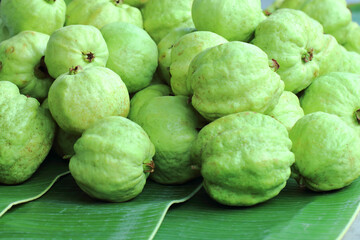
43	16
220	87
183	52
83	96
110	159
326	152
352	42
101	12
245	158
288	110
171	123
75	45
136	3
64	143
26	136
133	54
232	19
162	16
22	63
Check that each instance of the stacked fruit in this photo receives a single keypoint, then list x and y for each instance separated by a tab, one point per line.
214	88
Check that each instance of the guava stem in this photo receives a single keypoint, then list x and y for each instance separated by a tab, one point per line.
117	2
75	70
89	56
149	167
307	57
357	116
274	65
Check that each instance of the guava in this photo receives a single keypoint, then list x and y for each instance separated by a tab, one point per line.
64	143
133	54
68	1
165	46
81	97
26	136
326	152
172	125
43	16
288	110
235	20
112	159
352	42
245	158
351	61
183	52
4	31
136	3
233	77
162	16
75	45
22	63
295	42
101	12
143	97
335	93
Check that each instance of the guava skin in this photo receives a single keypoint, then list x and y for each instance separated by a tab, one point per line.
220	87
4	31
172	125
133	54
288	110
144	96
245	158
22	63
165	46
326	152
75	45
296	42
136	3
101	12
83	96
235	20
183	52
111	160
162	16
335	93
43	16
352	39
26	136
64	143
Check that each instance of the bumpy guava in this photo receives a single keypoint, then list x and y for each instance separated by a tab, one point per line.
183	52
165	46
352	42
26	136
75	45
64	143
232	19
101	12
326	151
133	54
172	125
81	97
233	77
288	110
245	158
112	160
43	16
335	93
143	97
295	41
22	63
162	16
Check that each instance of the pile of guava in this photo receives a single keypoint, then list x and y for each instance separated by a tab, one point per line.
130	91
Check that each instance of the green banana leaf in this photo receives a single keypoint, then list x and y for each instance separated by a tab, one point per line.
48	173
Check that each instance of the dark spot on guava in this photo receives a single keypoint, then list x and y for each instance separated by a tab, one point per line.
267	13
275	65
10	50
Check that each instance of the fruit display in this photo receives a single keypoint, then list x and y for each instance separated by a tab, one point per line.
169	93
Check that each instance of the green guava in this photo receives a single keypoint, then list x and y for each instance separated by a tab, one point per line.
81	97
162	16
64	143
4	31
295	42
143	97
183	52
112	160
288	110
335	93
136	3
172	125
68	1
165	46
133	54
326	152
43	16
351	62
22	63
101	12
235	20
233	77
245	158
352	42
75	45
26	136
